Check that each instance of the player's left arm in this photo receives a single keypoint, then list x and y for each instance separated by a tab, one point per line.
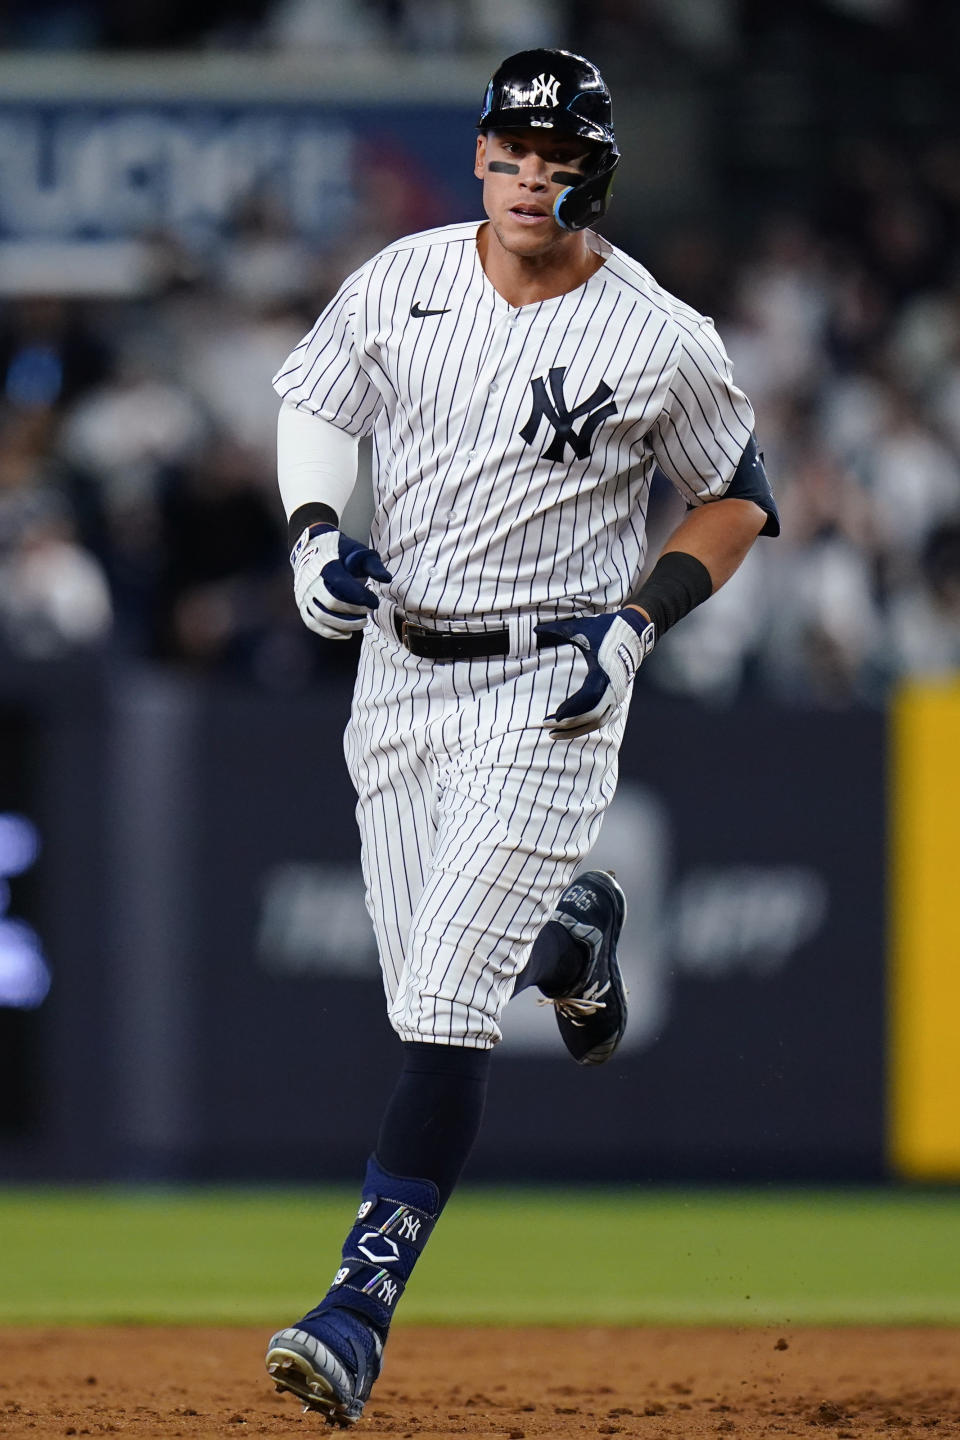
709	545
704	442
706	548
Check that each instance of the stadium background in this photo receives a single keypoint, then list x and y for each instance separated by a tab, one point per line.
183	934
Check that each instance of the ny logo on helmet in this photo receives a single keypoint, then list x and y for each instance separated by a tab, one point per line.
545	92
596	408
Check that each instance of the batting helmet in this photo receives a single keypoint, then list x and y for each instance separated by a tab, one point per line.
557	90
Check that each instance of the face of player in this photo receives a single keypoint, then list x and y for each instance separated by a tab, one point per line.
523	172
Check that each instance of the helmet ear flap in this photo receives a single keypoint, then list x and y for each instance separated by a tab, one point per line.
580	205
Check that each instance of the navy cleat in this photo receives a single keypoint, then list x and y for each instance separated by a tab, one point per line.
592	1018
326	1381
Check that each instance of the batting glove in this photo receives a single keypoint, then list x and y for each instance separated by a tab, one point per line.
614	647
327	572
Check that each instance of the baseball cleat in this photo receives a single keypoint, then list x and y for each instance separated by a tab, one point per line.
300	1363
592	1018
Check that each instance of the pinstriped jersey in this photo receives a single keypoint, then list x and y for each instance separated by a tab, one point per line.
514	447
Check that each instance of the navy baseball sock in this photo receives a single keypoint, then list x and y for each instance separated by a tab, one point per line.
434	1113
428	1129
556	963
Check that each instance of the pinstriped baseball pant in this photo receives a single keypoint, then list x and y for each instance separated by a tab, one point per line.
472	820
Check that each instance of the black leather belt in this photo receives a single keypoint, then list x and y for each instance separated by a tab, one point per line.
429	644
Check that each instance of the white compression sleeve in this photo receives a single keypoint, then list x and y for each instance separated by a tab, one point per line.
316	462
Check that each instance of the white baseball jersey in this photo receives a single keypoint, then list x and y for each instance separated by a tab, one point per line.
514	448
513	454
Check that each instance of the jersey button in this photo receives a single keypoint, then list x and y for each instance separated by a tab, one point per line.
471	454
494	388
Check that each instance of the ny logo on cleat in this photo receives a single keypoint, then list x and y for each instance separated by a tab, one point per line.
553	407
410	1227
388	1292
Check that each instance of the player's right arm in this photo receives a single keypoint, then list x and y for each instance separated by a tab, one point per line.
329	400
317	470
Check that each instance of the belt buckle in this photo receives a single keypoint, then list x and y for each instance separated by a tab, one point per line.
409	630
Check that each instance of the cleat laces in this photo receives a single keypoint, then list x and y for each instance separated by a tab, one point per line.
578	1008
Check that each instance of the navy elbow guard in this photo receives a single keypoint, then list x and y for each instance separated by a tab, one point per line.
750	482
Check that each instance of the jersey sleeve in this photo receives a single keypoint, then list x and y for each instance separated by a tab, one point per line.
325	373
706	421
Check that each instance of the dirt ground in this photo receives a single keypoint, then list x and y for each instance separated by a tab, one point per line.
655	1383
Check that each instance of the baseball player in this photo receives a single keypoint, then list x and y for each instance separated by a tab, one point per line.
522	378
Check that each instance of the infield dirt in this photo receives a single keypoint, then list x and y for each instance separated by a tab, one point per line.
519	1383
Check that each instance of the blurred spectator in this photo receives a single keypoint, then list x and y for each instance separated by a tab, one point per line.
912	478
263	262
229	368
161	24
925	617
711	655
782	304
49	354
222	546
503	26
130	429
335	25
823	644
54	594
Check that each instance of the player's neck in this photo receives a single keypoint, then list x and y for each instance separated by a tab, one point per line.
527	279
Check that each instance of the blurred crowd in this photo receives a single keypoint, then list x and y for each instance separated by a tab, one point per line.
844	329
138	505
344	25
656	31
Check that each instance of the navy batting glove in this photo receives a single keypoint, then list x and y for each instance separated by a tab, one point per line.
328	569
614	647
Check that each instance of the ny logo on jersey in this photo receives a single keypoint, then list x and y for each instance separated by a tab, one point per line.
596	408
545	92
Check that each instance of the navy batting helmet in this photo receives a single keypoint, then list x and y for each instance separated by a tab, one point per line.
557	90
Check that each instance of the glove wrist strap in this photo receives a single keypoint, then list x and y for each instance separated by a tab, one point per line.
303	539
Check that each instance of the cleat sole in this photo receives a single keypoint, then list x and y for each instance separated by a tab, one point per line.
292	1374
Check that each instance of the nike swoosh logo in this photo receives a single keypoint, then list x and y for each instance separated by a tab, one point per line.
419	314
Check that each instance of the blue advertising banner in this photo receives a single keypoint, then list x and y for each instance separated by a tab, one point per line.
750	844
216	1009
83	170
